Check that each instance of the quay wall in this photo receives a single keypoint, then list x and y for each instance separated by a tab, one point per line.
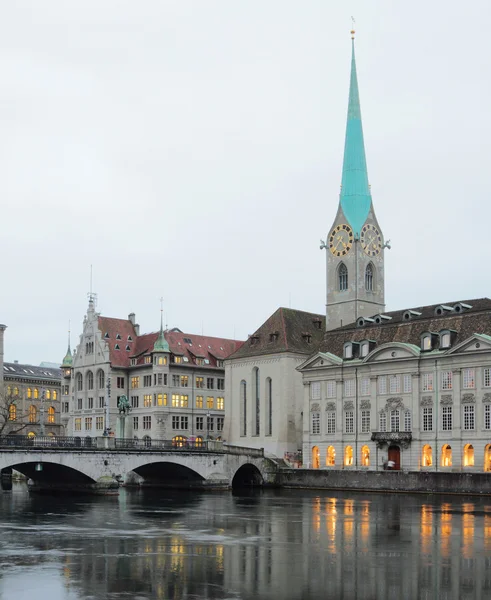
387	481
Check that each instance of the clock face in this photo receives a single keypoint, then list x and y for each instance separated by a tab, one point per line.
341	240
371	240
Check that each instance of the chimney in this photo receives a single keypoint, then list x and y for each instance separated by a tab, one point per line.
16	362
131	318
137	327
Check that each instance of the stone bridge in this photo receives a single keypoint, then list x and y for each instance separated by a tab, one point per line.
99	464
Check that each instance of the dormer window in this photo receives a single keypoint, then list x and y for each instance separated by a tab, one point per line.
128	348
116	347
307	337
133	361
426	342
317	323
130	339
118	337
254	339
106	336
447	337
273	337
364	349
348	351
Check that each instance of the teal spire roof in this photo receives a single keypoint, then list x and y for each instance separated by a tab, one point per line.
355	197
161	344
68	360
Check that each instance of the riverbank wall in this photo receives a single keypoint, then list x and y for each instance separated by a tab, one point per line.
386	481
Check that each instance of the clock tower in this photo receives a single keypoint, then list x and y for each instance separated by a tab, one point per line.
355	244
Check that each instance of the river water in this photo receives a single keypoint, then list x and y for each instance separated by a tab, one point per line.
268	544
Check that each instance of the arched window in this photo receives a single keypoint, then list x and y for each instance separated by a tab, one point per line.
9	390
12	412
331	456
178	441
365	456
100	379
51	414
33	414
348	456
255	374
79	382
315	457
29	392
468	455
90	380
198	442
427	456
369	278
446	456
54	395
16	391
269	406
47	394
342	277
243	408
487	458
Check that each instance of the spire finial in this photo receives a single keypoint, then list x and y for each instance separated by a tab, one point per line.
352	28
161	313
161	344
68	334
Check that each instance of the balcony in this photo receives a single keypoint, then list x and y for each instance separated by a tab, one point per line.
392	437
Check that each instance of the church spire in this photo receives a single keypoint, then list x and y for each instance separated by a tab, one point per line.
68	360
355	196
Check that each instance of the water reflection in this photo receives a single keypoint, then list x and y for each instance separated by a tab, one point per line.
270	545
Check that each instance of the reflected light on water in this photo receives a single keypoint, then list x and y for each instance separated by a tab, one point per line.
467	530
426	528
445	530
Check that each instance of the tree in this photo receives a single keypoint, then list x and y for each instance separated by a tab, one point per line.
13	419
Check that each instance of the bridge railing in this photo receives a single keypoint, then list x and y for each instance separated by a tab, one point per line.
26	442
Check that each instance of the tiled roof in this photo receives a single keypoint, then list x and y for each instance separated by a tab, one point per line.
286	330
25	371
476	319
110	329
207	347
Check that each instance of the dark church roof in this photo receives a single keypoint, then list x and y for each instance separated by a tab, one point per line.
408	325
286	330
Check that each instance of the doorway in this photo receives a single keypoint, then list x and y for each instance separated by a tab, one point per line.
395	455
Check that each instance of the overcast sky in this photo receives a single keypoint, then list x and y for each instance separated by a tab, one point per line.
192	149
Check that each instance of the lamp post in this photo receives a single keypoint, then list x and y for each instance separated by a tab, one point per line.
208	425
106	406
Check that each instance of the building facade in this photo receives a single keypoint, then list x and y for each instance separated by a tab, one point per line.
172	383
31	405
265	388
413	389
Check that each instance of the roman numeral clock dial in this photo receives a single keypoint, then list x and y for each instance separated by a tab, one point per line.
341	240
371	240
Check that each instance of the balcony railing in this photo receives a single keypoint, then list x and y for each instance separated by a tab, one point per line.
392	437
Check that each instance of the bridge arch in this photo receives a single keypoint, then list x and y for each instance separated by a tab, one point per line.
164	473
248	475
48	473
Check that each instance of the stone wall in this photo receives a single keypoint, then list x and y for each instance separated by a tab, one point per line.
398	481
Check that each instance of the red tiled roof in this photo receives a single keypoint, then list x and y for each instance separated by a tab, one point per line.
207	347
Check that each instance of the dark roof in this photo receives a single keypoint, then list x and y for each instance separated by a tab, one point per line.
30	371
476	319
286	330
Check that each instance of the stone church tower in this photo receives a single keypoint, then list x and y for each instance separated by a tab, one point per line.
355	244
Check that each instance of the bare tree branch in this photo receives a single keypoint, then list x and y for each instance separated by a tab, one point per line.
12	419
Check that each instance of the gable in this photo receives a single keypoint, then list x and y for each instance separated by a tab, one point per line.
393	351
476	343
320	360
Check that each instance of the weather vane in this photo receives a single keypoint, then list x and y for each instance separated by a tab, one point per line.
353	28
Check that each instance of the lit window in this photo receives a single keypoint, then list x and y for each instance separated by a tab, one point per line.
468	455
184	380
315	457
178	441
51	414
200	382
427	456
147	360
178	360
220	403
162	360
468	379
199	401
426	342
12	412
99	423
446	455
78	424
331	457
209	402
88	423
33	414
54	395
348	456
147	400
29	393
365	456
135	382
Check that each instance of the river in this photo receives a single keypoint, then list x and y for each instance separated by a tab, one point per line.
267	544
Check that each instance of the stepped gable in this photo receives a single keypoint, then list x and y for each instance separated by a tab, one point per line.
286	330
476	319
113	328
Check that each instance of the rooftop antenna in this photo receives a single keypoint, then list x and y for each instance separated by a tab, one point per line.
91	296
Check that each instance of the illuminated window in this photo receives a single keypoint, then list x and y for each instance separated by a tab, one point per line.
200	382
184	380
12	412
426	342
135	382
468	455
316	423
29	393
179	400
33	414
78	424
209	402
446	380
331	456
162	360
147	360
427	456
427	385
47	395
365	456
446	456
9	390
220	403
51	414
348	456
54	395
36	392
99	423
179	441
147	400
178	360
16	391
199	401
31	435
161	399
315	457
487	458
331	422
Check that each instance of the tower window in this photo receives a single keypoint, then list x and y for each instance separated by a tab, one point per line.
343	277
369	278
